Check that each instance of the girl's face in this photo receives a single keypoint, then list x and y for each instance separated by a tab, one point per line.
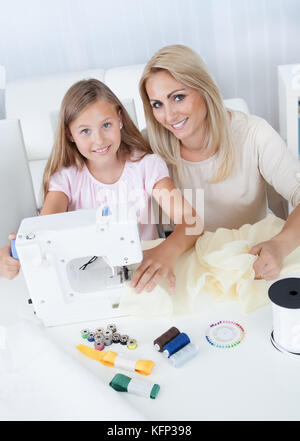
96	131
177	107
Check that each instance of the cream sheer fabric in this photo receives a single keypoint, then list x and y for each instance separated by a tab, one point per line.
218	268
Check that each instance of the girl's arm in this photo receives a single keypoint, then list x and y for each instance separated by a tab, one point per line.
9	267
272	252
159	262
55	202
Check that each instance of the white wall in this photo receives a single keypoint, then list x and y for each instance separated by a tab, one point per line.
242	41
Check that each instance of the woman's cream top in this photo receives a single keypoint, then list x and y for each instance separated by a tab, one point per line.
261	157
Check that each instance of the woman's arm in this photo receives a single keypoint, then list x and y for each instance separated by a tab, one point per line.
272	252
159	262
280	169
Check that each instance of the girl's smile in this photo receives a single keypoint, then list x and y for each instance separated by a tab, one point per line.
102	151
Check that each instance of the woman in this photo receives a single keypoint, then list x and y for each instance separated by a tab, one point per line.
229	154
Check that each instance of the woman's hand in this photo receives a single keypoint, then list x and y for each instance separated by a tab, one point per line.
157	263
270	256
9	267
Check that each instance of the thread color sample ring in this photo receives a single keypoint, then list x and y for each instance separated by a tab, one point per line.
165	338
225	334
176	344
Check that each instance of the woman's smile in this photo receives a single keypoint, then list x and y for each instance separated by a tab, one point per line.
180	125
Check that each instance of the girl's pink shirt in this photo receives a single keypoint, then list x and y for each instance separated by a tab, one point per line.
134	186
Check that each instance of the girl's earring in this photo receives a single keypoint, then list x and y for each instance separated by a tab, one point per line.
121	126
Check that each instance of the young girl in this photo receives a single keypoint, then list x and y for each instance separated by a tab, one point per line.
98	156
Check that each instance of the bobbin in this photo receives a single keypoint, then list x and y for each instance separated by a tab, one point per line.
124	339
112	327
85	333
99	331
99	338
91	336
132	343
107	333
116	337
99	345
163	339
108	340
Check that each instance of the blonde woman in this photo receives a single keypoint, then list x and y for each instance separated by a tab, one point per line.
99	156
230	155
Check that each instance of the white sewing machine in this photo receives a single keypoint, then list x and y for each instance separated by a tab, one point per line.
75	263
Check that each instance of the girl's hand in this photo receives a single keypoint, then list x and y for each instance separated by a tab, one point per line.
157	263
9	267
269	262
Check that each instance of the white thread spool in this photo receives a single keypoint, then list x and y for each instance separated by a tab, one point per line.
285	297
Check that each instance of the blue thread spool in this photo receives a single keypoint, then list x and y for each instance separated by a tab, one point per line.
184	355
176	344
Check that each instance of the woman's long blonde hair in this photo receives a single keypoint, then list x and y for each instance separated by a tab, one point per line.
187	67
75	101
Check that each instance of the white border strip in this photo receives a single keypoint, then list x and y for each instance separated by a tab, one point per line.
2	77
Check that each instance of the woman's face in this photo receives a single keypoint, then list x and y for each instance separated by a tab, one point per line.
177	107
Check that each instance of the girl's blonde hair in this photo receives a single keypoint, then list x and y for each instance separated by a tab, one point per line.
76	100
187	67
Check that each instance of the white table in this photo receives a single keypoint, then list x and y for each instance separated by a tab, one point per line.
252	381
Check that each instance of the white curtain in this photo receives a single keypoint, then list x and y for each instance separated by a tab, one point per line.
242	41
